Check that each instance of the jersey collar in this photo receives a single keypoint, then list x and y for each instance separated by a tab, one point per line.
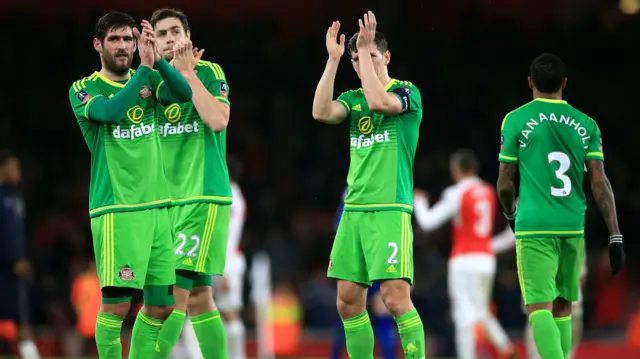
548	100
111	82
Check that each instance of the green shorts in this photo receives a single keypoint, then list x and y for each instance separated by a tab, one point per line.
200	233
373	246
549	268
134	249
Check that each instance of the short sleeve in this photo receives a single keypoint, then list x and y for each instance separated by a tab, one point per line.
81	95
345	100
594	150
508	141
214	80
409	96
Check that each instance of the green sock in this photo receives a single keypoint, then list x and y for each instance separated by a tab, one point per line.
169	334
546	334
564	326
144	337
211	336
108	336
411	333
359	335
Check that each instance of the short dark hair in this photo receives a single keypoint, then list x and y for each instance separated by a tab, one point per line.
380	41
6	155
110	21
547	72
466	160
166	13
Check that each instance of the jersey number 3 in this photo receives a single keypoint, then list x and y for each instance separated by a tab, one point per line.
565	163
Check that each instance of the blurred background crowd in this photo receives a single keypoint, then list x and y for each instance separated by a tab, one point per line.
470	61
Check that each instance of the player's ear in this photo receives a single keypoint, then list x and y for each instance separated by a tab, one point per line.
530	82
97	45
188	34
387	57
564	83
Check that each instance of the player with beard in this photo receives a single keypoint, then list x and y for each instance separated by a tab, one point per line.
128	195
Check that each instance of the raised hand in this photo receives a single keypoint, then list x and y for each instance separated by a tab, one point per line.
367	33
146	26
184	58
335	48
145	47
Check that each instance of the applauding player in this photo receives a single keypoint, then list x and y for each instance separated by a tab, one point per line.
193	140
374	239
128	195
471	204
549	142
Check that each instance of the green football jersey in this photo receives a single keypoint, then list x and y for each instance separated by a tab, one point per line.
194	156
383	150
126	165
550	141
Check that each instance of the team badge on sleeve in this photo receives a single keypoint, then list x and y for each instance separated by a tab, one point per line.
223	89
83	96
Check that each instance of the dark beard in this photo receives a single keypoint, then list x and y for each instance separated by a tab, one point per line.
112	66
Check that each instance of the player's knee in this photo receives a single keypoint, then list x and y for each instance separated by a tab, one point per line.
351	300
158	301
116	300
200	300
396	296
561	307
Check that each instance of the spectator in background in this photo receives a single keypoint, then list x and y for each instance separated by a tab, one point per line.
86	298
15	269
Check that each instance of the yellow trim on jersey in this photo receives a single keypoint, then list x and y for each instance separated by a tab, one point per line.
158	88
217	70
391	83
345	104
123	207
223	99
111	82
504	120
507	158
595	154
223	199
378	205
549	100
80	84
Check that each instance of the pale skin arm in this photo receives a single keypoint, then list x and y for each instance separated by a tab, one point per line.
324	108
379	100
214	113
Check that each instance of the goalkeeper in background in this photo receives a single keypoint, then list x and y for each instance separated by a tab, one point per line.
128	194
193	139
549	142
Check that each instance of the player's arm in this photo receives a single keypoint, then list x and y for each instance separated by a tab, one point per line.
325	109
432	218
603	194
503	241
174	87
508	170
210	96
378	99
87	102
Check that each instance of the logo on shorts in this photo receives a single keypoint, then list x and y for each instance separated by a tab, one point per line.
392	269
126	273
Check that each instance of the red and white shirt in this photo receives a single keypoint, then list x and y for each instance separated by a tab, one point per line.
471	203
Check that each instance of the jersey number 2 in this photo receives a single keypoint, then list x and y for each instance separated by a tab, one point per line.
183	242
565	163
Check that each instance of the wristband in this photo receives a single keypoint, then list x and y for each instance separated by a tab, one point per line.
616	238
